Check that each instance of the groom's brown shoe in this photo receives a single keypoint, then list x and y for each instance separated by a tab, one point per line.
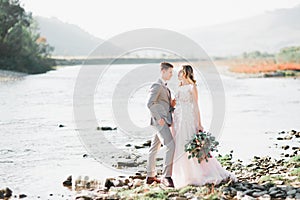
150	180
167	182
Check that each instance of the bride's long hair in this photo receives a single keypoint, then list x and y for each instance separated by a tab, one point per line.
188	73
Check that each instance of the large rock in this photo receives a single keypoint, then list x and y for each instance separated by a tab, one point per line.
83	197
106	128
258	194
292	192
68	182
127	164
5	193
109	183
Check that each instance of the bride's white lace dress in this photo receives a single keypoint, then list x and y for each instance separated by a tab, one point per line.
189	171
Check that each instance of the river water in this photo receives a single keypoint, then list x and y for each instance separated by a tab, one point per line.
36	155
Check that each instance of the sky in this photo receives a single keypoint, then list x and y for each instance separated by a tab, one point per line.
106	18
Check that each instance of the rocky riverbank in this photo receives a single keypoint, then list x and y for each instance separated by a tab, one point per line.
261	178
6	75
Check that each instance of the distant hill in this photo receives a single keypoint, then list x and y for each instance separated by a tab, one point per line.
266	32
69	39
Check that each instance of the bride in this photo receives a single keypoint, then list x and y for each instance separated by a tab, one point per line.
187	122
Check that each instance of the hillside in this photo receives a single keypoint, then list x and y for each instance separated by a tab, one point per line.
266	32
68	39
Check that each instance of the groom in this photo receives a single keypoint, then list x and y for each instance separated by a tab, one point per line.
161	107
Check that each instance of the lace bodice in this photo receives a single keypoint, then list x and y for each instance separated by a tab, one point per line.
184	94
185	109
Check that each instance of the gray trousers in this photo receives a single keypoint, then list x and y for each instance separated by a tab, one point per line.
163	136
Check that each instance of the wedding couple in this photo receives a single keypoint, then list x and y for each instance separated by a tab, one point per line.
178	170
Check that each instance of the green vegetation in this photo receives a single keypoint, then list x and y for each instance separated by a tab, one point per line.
201	145
289	54
296	172
256	55
285	55
21	47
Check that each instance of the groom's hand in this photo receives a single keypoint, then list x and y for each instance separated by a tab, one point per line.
161	122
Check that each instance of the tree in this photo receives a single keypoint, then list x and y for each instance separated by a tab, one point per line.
289	54
20	47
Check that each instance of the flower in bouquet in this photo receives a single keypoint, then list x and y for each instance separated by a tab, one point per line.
201	145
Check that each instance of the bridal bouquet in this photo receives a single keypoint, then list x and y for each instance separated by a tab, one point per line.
201	145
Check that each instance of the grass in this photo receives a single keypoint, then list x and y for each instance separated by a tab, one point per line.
186	189
295	160
296	172
156	195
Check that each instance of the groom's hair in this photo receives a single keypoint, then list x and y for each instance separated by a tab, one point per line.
165	66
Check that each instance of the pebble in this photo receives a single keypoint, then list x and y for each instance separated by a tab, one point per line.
84	155
288	137
127	164
147	144
138	147
173	194
83	198
178	198
256	186
285	147
22	196
247	197
137	183
189	195
265	197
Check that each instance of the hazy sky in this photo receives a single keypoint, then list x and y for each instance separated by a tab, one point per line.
110	17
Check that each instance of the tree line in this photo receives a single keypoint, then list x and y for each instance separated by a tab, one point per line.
21	47
285	55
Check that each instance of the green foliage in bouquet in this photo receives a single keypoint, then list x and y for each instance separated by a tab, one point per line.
201	145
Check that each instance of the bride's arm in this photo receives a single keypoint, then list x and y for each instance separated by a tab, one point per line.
196	107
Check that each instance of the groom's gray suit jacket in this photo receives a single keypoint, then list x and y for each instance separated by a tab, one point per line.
159	103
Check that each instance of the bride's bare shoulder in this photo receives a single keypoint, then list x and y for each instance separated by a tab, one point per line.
194	88
193	85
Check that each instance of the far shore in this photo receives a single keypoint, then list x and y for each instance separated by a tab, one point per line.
250	68
263	68
106	60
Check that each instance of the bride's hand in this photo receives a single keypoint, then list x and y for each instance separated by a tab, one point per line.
173	102
200	128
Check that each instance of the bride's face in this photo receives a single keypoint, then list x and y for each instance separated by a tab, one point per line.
180	75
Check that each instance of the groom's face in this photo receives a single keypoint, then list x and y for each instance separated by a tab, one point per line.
167	73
